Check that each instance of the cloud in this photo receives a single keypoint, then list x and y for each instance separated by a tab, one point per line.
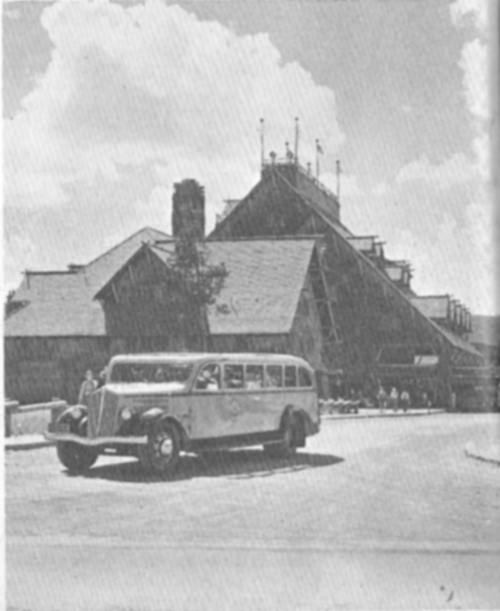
474	63
146	86
435	219
462	10
439	215
454	170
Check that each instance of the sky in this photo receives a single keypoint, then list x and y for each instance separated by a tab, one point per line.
107	104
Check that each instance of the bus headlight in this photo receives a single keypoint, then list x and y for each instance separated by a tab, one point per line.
76	413
126	413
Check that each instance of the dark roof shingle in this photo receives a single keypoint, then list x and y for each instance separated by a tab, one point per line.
61	303
262	289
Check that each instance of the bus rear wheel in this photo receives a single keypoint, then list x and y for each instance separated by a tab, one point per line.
287	447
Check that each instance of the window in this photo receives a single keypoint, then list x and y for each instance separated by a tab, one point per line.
233	376
254	378
151	372
290	376
304	377
274	376
209	377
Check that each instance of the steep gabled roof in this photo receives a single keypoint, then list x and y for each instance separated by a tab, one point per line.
310	191
261	292
61	303
101	269
306	189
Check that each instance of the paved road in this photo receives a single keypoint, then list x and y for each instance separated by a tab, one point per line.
385	513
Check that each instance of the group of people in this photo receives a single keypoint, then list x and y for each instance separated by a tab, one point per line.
393	400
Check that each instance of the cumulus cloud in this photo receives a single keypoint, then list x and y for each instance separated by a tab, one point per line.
148	86
454	170
439	215
476	10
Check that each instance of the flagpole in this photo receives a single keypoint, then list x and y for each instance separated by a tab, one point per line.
262	154
317	158
296	140
338	179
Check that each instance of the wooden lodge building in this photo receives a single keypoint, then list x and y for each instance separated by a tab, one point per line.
298	281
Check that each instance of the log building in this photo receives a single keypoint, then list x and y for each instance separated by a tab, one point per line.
299	281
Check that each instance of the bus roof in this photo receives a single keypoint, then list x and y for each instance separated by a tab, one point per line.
197	357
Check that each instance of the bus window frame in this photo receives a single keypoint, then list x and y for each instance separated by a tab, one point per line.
197	373
295	386
268	376
262	379
308	373
225	388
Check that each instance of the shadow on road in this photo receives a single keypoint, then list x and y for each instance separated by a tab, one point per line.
237	464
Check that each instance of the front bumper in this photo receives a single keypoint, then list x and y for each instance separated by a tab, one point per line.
97	441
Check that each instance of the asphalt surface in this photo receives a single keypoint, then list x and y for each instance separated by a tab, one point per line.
374	513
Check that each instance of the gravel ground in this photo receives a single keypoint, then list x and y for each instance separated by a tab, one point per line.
373	513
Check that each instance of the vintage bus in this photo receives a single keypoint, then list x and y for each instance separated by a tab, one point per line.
156	406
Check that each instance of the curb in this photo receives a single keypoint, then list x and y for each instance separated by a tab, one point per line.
33	443
361	416
471	452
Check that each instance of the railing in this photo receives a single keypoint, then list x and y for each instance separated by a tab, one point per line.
285	161
12	407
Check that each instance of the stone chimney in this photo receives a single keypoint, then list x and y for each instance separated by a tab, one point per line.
188	210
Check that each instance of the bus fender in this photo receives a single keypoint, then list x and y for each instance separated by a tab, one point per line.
72	414
155	414
151	415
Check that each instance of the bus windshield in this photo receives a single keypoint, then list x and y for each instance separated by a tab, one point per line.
151	373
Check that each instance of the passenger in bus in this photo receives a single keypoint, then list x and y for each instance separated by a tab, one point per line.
272	381
253	381
160	375
209	378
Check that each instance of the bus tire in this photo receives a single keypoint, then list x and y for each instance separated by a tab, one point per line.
162	453
75	457
287	447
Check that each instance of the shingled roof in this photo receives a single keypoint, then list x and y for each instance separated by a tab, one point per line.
61	303
260	294
262	289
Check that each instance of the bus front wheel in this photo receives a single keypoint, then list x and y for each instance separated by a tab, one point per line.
76	457
162	452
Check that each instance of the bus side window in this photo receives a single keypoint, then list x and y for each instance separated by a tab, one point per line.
290	376
274	376
254	378
233	376
209	378
304	377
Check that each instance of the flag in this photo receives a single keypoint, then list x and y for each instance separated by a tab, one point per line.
319	149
